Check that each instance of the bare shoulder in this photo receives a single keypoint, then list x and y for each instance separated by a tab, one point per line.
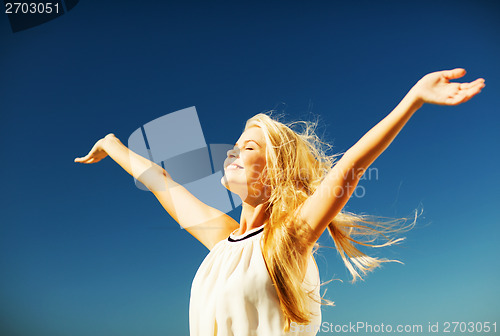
207	224
212	231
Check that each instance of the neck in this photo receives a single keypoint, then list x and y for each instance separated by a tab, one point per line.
252	216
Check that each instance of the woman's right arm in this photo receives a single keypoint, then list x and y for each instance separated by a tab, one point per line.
205	223
147	172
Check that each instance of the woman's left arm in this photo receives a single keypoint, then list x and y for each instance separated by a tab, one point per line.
339	184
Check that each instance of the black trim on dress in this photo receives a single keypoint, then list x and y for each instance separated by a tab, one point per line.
248	236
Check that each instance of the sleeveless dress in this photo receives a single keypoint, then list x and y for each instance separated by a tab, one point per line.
232	293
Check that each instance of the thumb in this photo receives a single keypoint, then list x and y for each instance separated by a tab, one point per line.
455	73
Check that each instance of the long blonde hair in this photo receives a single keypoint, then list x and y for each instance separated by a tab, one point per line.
296	165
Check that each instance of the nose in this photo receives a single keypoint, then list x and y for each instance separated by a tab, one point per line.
233	153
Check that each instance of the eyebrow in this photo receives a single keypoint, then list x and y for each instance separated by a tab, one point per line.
236	144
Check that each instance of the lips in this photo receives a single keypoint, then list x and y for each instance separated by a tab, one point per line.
234	166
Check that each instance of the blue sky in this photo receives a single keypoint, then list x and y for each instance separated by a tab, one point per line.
83	251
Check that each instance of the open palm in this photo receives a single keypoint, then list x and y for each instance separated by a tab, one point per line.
97	153
435	88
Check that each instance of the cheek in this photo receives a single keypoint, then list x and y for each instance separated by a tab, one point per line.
254	162
255	168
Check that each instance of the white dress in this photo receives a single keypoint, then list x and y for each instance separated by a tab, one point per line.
233	295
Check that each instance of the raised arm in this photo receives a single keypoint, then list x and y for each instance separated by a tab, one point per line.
339	184
205	223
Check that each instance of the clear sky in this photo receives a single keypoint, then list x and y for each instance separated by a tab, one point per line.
83	251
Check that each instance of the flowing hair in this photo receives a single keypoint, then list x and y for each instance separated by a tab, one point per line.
296	165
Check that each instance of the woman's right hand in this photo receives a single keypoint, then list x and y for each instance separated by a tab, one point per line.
97	153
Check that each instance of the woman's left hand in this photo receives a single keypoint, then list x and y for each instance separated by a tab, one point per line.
435	88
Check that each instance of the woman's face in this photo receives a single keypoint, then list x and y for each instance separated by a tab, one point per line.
245	163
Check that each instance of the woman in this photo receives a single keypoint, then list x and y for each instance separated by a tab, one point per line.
260	277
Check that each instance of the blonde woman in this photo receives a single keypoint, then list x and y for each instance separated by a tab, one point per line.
260	277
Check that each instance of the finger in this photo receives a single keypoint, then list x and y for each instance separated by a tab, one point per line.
472	91
477	82
463	95
85	158
468	97
452	74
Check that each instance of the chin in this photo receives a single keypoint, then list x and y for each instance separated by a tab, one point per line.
240	189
